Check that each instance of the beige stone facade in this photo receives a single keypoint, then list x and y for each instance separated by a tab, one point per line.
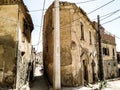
109	55
77	45
15	43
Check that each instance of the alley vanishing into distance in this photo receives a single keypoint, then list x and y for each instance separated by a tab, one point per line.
39	81
76	52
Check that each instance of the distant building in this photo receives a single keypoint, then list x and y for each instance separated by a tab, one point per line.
109	54
78	51
33	54
15	43
39	58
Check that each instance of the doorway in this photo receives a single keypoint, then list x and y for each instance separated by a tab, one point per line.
93	71
85	71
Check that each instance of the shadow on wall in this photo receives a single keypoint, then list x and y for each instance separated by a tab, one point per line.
7	61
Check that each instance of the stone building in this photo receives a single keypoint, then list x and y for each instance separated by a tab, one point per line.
77	45
15	43
39	58
109	54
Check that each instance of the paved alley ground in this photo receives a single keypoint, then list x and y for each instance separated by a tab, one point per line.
39	82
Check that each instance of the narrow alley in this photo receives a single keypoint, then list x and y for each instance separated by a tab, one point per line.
39	82
59	45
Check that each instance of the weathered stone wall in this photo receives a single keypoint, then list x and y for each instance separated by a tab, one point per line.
110	56
83	50
110	69
110	62
67	77
8	44
74	51
107	37
24	56
15	45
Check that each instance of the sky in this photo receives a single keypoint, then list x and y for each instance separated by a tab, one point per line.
35	6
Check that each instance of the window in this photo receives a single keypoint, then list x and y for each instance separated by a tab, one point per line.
26	30
25	27
82	31
90	38
113	52
106	51
118	57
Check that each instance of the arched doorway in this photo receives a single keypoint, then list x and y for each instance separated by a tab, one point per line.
84	57
85	71
93	71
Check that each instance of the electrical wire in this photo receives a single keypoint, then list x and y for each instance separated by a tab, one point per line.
110	20
93	11
101	7
38	10
41	23
85	1
77	19
80	17
110	13
69	23
112	34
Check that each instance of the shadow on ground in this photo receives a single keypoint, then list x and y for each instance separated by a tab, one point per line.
39	83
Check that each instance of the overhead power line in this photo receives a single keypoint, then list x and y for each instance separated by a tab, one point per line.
110	20
101	6
92	11
107	15
38	10
112	34
110	15
73	20
41	23
85	1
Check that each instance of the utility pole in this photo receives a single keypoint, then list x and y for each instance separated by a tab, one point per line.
56	60
101	68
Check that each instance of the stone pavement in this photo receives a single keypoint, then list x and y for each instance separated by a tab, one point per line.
39	83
